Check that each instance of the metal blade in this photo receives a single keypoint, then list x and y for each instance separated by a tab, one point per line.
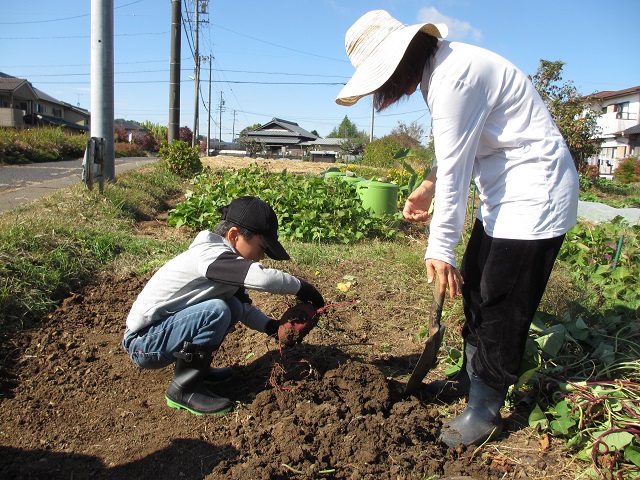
429	357
426	362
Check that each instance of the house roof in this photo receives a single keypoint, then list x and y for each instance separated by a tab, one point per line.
278	127
615	93
128	125
17	86
60	122
45	96
270	139
635	130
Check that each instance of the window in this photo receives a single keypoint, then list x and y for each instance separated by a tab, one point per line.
608	153
622	110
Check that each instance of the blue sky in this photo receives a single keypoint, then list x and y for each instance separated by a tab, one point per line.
286	58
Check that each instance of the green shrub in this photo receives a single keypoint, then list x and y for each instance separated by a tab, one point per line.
180	158
627	171
125	149
41	144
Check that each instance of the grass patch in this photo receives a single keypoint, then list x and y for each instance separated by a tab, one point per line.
52	246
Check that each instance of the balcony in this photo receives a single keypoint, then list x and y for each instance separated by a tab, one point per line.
615	122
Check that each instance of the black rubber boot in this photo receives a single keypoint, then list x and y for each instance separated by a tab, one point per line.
186	389
458	385
480	421
217	375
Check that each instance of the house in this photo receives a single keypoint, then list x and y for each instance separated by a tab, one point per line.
329	150
619	127
283	138
22	105
129	131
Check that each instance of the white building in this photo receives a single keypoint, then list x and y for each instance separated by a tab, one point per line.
619	126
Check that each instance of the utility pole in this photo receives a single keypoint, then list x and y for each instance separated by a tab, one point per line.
209	110
220	121
174	71
196	53
102	81
372	115
233	131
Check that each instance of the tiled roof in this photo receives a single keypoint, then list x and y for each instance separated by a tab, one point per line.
277	140
632	130
616	93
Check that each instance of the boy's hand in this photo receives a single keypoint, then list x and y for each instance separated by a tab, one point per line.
309	293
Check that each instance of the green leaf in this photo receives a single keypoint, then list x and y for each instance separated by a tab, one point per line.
620	273
579	329
605	353
615	440
537	418
632	454
552	340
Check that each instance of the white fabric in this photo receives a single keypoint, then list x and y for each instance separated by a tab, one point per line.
489	121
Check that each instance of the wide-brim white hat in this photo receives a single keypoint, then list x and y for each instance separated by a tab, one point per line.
375	44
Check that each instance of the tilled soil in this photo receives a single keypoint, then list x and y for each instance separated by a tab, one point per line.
73	406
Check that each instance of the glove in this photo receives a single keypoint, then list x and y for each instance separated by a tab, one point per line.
309	293
296	323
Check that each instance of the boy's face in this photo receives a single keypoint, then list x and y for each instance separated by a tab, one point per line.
253	249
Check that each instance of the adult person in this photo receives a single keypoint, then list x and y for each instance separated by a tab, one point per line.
190	304
489	124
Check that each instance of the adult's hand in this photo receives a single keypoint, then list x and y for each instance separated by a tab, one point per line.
416	208
449	276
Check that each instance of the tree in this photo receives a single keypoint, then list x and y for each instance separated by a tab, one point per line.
253	127
348	129
413	131
628	170
572	112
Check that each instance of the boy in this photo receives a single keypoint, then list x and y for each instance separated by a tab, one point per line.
186	309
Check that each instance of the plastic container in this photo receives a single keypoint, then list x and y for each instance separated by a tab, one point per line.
333	174
353	179
379	197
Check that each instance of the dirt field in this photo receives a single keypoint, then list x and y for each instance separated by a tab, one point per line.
73	406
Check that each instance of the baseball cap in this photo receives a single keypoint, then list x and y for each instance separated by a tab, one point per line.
258	217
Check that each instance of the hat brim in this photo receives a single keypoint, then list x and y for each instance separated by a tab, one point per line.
378	68
275	249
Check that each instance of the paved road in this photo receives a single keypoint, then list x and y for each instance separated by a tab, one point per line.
20	184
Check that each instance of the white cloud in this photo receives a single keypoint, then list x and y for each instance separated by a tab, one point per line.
458	29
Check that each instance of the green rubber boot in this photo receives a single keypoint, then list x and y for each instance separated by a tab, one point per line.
186	390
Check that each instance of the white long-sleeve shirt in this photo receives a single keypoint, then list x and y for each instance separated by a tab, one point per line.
210	268
489	122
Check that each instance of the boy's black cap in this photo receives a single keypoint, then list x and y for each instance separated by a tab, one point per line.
258	217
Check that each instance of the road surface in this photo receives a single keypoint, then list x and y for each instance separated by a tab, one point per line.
21	184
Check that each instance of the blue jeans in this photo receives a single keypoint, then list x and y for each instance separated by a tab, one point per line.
205	323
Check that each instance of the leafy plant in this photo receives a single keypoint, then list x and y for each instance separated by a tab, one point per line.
41	144
180	158
309	209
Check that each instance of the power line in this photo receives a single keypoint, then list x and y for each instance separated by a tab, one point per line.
65	18
83	36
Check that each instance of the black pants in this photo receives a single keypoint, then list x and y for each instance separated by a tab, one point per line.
503	284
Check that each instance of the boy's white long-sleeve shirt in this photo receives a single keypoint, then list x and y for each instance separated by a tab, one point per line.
490	122
210	268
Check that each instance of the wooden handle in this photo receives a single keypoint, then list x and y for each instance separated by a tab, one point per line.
436	308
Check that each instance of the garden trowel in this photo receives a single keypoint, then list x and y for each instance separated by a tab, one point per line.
429	357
